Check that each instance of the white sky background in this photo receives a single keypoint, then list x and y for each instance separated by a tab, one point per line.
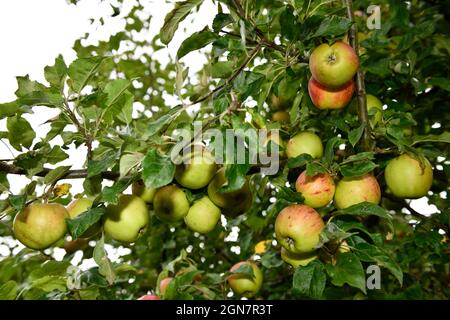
34	32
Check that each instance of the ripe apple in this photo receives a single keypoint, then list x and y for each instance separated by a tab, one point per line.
170	203
245	285
127	220
335	65
40	225
147	194
281	117
304	142
229	200
79	206
406	177
298	227
203	216
163	285
317	190
149	297
351	191
196	171
297	260
330	98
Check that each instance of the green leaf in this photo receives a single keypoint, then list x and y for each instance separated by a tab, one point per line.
357	169
96	167
56	174
236	177
221	20
355	135
313	168
50	283
57	73
196	41
370	253
110	194
156	126
329	150
332	232
115	89
348	270
101	258
443	137
157	170
18	201
299	161
81	71
8	291
333	26
129	162
443	83
367	209
20	132
222	69
8	109
173	18
309	281
80	224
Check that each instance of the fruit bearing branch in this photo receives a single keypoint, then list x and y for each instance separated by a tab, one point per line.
360	87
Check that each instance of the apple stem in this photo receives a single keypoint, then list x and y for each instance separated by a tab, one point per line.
363	116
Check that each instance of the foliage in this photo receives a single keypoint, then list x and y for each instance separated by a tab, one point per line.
257	48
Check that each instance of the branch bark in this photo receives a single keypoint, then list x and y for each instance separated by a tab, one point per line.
363	116
71	174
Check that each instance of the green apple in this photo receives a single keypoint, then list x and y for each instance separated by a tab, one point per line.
298	227
406	177
147	194
304	142
351	191
297	260
40	225
281	117
335	65
79	206
126	220
163	285
196	171
373	103
170	204
317	190
243	284
236	201
330	98
278	102
203	216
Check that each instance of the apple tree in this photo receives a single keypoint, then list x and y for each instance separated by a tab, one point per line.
359	97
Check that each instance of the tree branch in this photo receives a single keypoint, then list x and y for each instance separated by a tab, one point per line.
360	87
71	174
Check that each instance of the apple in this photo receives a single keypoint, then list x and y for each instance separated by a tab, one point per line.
163	285
304	142
243	284
244	206
126	220
147	194
203	216
297	260
351	191
236	201
170	203
79	206
317	190
281	117
406	177
375	104
75	245
149	297
335	65
298	227
39	225
196	171
330	98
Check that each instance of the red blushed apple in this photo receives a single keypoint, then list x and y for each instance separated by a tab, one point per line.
163	285
328	98
298	228
149	297
335	65
317	190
